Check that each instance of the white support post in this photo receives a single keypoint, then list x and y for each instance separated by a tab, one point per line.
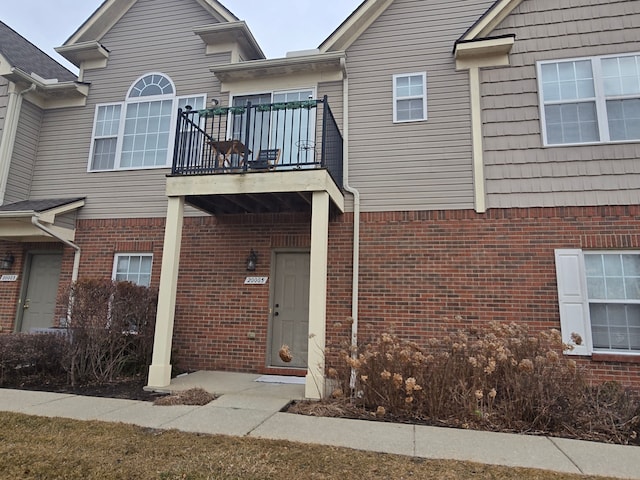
315	381
160	369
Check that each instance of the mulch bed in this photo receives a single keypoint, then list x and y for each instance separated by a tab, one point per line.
129	388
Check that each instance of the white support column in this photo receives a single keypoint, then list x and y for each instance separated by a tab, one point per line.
315	381
478	149
160	369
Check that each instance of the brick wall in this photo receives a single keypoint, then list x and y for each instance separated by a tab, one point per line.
422	273
425	272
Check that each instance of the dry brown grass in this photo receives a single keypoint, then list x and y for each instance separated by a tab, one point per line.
193	396
51	448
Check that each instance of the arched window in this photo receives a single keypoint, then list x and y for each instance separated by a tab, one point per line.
137	133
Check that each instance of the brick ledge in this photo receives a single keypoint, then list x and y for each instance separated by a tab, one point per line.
613	357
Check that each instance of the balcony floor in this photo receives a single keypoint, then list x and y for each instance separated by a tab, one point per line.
256	192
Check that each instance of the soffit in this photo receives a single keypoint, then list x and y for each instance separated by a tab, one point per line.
322	63
17	220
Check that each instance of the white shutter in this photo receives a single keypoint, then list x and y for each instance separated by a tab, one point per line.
572	297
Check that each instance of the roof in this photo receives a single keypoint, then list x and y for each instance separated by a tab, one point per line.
22	54
39	206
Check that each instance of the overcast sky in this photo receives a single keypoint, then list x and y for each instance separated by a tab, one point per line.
278	25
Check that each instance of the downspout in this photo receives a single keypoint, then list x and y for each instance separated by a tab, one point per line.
356	224
76	259
9	133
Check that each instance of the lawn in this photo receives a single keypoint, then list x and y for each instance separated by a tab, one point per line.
50	448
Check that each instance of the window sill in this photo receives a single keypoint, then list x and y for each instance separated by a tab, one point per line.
615	357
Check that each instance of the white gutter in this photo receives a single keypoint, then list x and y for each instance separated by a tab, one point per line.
355	287
10	129
76	259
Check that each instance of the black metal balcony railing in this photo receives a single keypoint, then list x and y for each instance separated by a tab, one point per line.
264	137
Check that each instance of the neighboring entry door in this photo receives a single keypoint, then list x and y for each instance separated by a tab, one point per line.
39	301
290	307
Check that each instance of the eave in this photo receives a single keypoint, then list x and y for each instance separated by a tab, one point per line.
49	94
329	64
224	37
86	52
484	52
20	225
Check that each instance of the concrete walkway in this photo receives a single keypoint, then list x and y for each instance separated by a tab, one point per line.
250	408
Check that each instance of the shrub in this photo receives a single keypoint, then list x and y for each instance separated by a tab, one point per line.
31	358
502	378
111	329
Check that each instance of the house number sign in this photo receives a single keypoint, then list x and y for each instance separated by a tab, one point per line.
256	280
8	278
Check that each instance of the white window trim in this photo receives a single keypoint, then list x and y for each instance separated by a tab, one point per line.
600	100
130	254
123	112
423	96
573	301
95	137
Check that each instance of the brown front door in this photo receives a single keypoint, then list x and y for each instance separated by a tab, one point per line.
39	300
290	309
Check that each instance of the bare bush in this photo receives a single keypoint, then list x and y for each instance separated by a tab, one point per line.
31	357
111	329
502	378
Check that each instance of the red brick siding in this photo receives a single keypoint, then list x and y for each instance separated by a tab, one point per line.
421	273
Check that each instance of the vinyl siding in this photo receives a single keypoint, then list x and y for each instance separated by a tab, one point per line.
153	36
24	153
521	172
421	165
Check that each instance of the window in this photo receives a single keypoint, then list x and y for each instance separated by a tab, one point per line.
291	130
590	100
410	97
138	132
599	295
135	268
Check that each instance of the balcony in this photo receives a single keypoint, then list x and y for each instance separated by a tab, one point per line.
257	158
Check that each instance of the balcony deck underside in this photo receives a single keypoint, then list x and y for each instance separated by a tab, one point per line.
256	192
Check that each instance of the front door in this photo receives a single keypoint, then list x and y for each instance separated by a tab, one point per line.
290	309
39	299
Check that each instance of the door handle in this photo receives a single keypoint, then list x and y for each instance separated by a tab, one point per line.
276	314
26	304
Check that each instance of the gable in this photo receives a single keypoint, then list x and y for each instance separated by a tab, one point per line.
349	31
111	11
485	25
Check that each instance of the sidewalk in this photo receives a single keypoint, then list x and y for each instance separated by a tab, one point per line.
250	408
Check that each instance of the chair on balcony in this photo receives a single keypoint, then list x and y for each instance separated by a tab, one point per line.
267	159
